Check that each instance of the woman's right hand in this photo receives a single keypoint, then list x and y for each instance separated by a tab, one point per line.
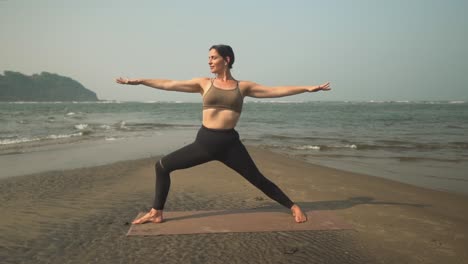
127	81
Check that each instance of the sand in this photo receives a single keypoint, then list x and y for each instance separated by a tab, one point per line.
82	216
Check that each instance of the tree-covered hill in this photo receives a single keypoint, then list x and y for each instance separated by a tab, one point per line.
15	86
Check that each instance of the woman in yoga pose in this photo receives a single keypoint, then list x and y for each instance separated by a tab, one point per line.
217	139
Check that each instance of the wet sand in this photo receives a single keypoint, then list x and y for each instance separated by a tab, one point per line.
82	216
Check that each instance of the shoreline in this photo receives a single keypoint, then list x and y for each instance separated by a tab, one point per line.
63	136
75	155
82	154
349	167
82	215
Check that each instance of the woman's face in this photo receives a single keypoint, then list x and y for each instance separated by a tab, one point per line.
216	62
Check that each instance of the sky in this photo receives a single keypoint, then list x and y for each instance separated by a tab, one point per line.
368	49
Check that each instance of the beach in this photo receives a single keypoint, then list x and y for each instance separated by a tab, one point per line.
357	111
82	215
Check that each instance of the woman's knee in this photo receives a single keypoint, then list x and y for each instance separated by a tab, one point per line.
160	167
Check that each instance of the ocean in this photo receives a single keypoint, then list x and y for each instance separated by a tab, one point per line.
420	143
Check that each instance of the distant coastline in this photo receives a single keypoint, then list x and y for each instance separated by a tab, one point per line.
43	87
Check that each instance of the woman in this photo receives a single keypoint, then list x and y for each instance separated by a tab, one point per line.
217	139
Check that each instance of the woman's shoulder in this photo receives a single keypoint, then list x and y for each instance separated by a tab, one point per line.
204	82
245	86
245	83
201	79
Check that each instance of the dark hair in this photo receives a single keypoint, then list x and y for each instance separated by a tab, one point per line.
225	51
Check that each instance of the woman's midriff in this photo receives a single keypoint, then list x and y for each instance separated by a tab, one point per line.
220	118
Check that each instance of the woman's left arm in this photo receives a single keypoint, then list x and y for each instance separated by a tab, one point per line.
259	91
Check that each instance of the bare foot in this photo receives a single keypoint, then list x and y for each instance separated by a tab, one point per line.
153	216
299	216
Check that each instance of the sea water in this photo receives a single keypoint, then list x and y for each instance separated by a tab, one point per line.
421	143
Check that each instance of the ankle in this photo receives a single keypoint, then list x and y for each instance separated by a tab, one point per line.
155	212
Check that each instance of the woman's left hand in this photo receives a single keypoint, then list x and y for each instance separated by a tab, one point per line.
127	81
321	87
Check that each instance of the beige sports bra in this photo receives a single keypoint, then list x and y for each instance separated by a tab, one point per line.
223	99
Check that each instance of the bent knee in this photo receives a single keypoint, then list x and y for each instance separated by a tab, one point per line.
159	166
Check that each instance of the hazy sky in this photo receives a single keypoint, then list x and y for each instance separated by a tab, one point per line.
367	49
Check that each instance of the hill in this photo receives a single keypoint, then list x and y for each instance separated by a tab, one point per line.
15	86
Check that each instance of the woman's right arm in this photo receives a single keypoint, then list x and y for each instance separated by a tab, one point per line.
190	86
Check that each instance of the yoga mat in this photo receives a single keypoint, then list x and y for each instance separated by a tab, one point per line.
231	221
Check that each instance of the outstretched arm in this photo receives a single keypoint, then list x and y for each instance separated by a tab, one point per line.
189	86
259	91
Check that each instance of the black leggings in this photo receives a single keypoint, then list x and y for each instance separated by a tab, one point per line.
214	144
